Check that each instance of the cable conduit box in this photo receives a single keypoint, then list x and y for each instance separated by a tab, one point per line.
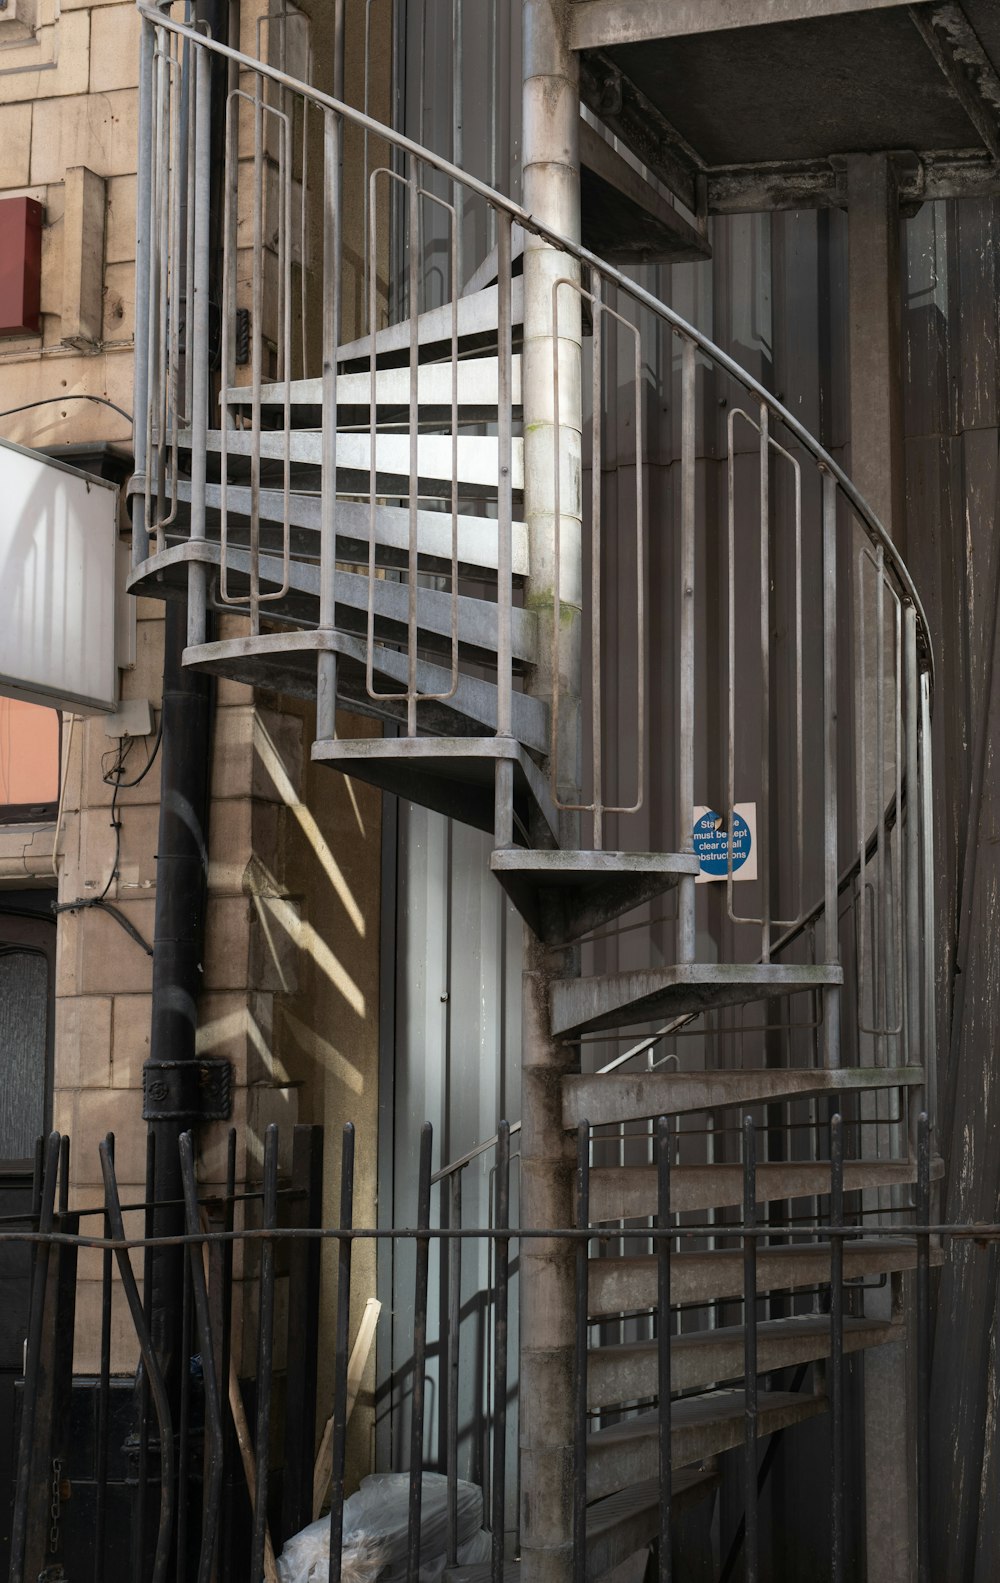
20	266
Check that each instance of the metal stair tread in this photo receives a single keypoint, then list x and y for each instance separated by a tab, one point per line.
618	1525
477	536
475	457
286	662
701	1426
628	1285
454	775
476	386
477	323
476	619
603	1099
563	894
587	1005
629	1192
628	1372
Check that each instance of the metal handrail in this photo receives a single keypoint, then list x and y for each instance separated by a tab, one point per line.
874	528
473	1154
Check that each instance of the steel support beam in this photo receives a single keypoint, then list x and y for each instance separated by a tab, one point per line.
553	506
949	36
599	23
632	117
874	312
877	471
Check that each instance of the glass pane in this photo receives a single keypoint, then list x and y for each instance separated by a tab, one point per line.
29	753
24	1010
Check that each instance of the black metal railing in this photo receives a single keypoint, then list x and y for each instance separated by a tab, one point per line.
206	1496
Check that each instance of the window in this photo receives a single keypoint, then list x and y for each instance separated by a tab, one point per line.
29	761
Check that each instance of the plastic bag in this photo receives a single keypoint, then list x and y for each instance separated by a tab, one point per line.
376	1524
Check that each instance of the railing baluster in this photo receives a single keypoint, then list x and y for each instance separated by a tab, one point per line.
104	1398
265	1353
836	1371
142	1493
831	933
685	750
342	1341
750	1350
151	1373
454	1253
580	1355
923	1296
225	1357
764	807
326	681
664	1142
502	1221
196	1266
419	1353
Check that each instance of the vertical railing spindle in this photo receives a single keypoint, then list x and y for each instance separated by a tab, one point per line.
341	1345
750	1349
419	1354
836	1374
663	1225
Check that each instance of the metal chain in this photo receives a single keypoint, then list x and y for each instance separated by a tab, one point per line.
55	1508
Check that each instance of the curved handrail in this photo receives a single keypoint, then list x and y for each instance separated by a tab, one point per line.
876	532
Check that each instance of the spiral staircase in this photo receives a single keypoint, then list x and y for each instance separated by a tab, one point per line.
359	511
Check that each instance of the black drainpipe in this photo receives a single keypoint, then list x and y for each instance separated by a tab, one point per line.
181	887
178	953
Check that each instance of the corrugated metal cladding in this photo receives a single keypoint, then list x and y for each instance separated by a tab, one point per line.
775	296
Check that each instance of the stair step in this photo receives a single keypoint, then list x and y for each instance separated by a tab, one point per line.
564	895
473	460
477	536
629	1373
286	662
628	1285
629	1192
617	1525
477	327
476	387
701	1426
454	776
616	1000
629	1519
604	1099
476	618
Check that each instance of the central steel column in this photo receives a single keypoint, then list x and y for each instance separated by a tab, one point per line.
551	192
877	470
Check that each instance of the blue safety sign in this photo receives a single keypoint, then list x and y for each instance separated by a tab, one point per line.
712	844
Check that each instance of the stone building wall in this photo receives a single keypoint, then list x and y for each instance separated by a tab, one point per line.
291	961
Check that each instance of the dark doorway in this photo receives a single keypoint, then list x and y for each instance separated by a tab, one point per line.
27	1004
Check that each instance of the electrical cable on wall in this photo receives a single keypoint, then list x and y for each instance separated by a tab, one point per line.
113	777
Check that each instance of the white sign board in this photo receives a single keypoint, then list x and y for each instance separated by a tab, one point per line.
58	538
712	842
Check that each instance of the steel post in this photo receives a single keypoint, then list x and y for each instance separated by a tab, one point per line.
876	469
553	507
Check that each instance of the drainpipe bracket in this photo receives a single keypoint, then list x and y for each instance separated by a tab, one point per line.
200	1090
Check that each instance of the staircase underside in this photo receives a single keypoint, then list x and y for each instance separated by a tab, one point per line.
628	1373
606	1098
628	1285
701	1427
630	1192
453	775
618	1000
563	895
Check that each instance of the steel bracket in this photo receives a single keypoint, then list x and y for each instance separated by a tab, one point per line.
198	1090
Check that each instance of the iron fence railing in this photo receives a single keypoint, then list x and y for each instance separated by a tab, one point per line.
211	1497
